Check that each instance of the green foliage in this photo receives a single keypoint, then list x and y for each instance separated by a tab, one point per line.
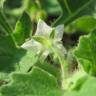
85	24
8	52
13	58
22	31
36	83
85	53
39	63
4	23
89	85
71	10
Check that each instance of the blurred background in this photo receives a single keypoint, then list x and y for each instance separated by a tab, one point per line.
78	17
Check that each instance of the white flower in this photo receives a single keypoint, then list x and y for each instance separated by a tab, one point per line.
43	30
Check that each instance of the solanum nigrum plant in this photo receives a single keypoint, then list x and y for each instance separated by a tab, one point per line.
34	61
48	41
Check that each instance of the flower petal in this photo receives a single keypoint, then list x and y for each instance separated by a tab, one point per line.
32	44
43	29
59	32
60	49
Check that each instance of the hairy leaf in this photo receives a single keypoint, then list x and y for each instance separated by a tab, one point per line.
89	85
85	53
13	58
37	83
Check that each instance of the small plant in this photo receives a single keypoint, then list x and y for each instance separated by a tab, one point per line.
35	61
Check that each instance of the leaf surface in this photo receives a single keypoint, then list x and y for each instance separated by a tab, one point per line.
13	58
84	24
89	85
85	53
37	83
23	29
71	10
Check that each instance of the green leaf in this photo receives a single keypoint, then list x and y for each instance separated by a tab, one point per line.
7	53
87	89
50	68
37	83
10	55
85	53
71	10
27	61
52	34
84	24
13	58
5	24
23	29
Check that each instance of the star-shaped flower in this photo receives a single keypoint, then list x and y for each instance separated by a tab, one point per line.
47	39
